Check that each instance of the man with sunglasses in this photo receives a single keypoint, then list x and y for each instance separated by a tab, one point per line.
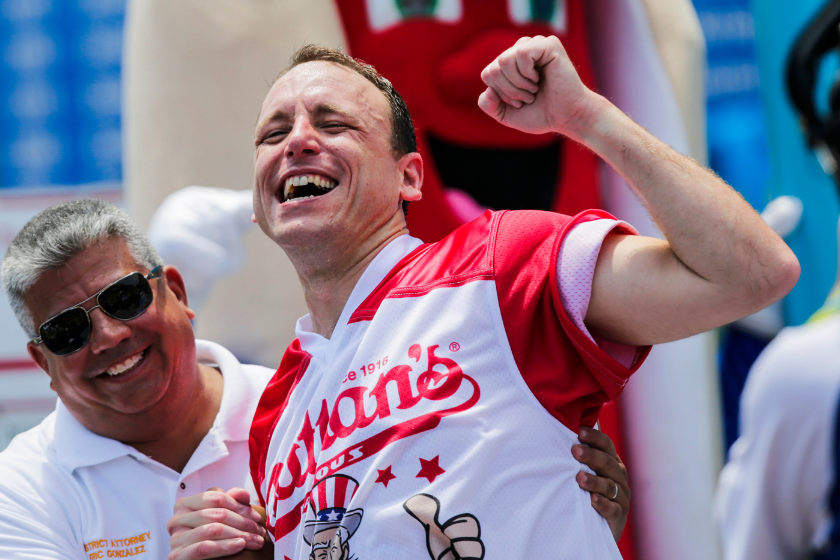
147	414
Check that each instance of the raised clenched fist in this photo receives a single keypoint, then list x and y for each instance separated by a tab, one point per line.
534	87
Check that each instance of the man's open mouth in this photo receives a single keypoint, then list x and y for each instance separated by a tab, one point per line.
527	180
125	366
306	186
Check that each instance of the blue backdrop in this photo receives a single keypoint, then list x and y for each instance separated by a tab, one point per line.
60	92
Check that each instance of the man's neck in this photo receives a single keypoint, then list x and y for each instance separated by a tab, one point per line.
327	287
178	443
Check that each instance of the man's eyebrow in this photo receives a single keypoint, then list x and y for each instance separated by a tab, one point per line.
328	109
276	115
320	110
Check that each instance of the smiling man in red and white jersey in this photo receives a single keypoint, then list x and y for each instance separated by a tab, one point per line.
427	404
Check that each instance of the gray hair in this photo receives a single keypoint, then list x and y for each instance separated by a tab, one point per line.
57	234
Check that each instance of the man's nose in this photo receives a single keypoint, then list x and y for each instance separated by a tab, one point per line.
106	332
303	139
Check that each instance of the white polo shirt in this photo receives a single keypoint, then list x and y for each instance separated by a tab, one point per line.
773	497
66	492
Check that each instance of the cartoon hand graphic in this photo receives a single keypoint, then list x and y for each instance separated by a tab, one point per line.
457	539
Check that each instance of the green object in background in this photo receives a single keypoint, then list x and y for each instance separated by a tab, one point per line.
415	8
829	308
543	10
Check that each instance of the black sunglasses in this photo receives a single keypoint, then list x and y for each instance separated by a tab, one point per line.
127	298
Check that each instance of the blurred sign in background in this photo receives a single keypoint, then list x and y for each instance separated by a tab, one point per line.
736	130
60	106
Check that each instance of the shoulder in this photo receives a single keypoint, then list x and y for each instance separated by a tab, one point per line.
478	246
516	226
462	256
813	342
792	392
463	250
27	450
33	482
798	374
532	237
254	375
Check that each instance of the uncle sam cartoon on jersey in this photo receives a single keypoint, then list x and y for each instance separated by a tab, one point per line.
329	525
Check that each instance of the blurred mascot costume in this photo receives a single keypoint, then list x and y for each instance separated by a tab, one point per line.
197	71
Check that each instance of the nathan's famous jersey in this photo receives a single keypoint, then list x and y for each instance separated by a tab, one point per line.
438	420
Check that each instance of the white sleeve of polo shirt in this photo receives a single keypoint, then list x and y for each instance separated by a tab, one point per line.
772	495
39	517
576	261
32	533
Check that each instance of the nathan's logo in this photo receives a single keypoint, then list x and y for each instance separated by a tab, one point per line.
441	380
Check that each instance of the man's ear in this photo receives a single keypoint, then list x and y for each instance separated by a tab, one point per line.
175	282
40	358
411	167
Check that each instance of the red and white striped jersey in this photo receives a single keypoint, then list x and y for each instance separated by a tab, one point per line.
439	418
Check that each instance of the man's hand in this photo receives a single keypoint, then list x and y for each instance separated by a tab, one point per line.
534	87
214	524
610	478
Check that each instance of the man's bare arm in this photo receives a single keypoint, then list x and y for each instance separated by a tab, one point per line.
720	261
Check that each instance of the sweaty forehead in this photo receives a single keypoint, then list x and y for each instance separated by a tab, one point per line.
313	83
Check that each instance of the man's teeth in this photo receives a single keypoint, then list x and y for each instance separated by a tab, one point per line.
302	180
127	364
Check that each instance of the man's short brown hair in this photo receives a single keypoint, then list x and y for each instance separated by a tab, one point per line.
403	137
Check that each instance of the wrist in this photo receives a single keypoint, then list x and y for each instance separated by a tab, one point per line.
592	120
604	130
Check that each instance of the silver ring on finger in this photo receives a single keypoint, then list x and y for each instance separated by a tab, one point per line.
616	492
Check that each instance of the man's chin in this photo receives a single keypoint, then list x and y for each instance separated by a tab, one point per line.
142	401
298	234
141	395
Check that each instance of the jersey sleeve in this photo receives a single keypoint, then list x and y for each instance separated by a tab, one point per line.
576	262
772	496
564	367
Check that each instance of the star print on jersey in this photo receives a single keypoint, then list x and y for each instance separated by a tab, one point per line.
385	476
430	470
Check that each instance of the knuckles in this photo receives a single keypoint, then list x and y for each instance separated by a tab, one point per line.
508	57
172	525
215	499
213	531
205	550
214	514
490	73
